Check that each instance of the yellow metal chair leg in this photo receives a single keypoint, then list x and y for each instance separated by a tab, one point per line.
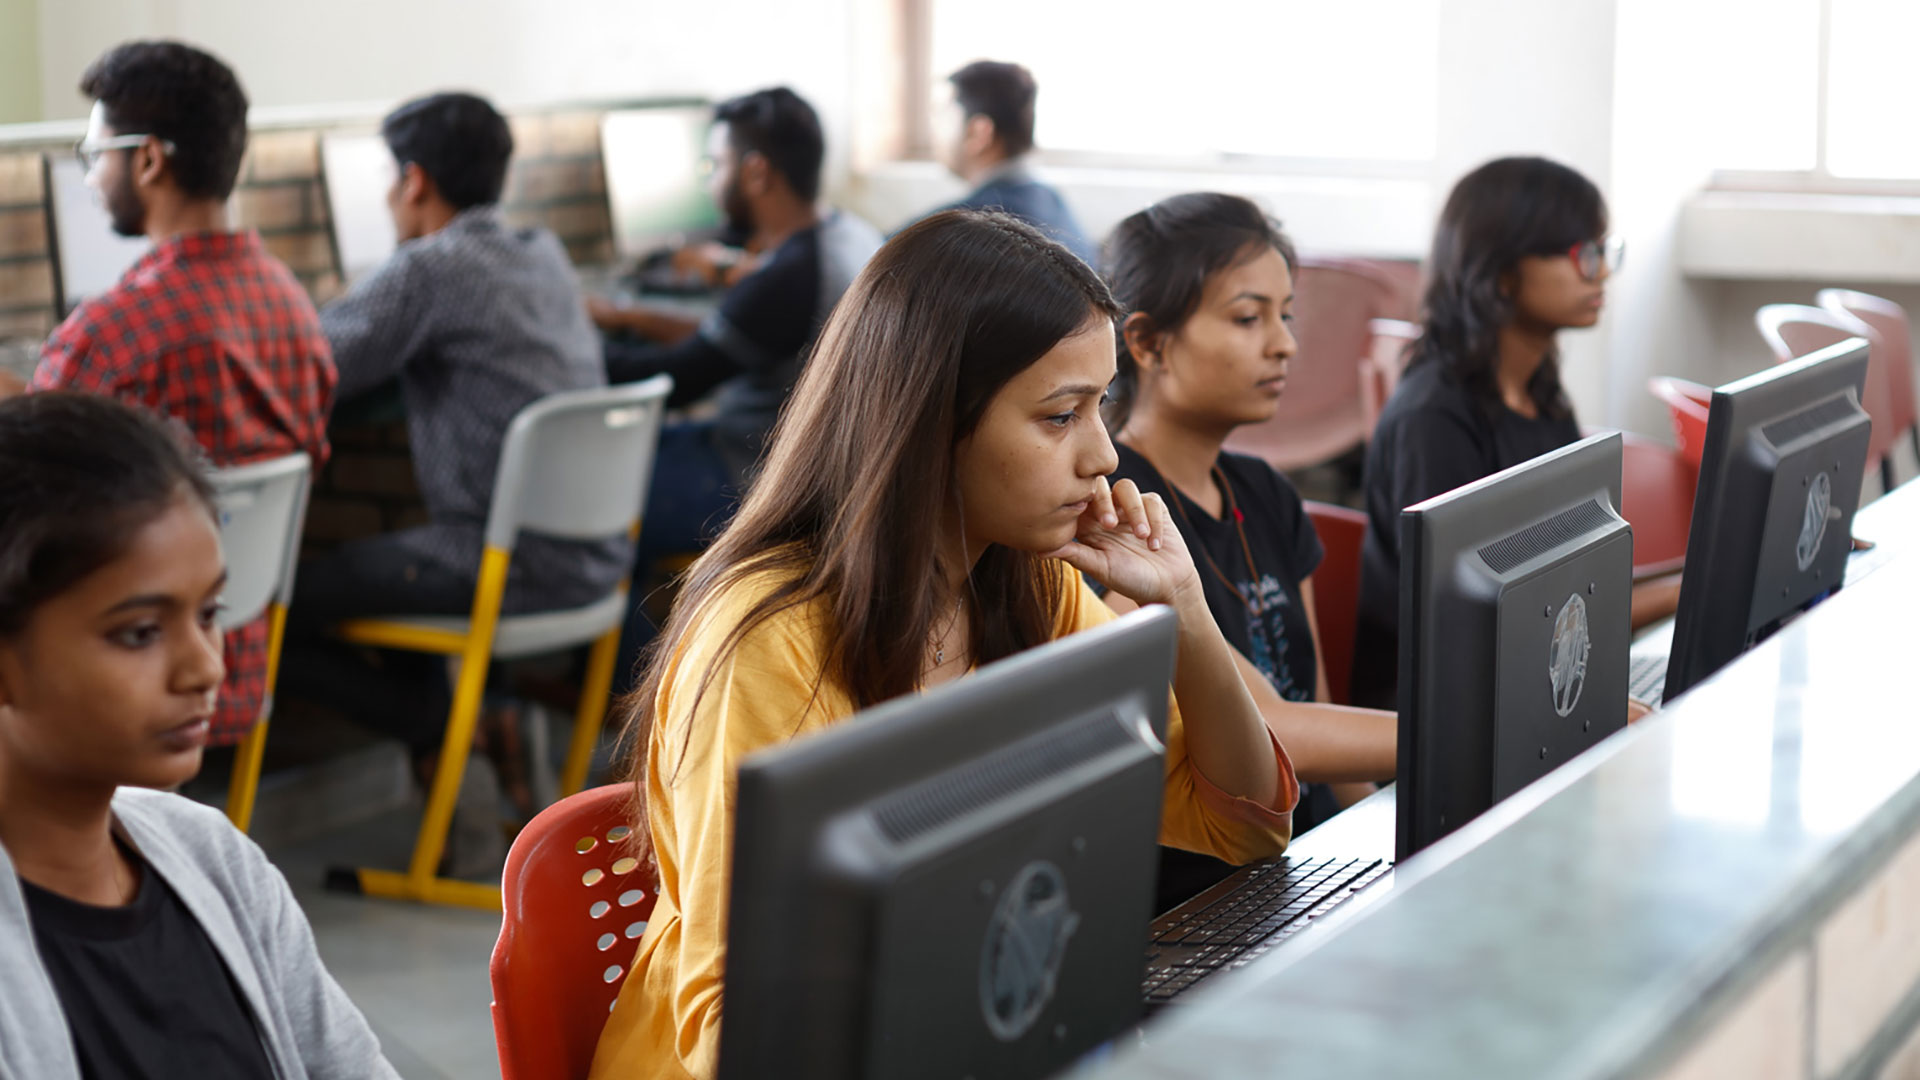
420	882
591	712
245	785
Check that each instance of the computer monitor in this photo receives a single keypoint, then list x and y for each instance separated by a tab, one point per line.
656	190
1515	604
88	256
356	171
1780	474
964	876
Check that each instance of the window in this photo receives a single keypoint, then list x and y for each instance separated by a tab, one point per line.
1824	91
1209	80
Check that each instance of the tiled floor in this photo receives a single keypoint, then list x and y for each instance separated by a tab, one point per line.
419	973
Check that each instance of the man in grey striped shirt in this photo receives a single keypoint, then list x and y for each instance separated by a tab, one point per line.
476	320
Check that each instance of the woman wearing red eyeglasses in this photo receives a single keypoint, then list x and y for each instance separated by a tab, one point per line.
1520	254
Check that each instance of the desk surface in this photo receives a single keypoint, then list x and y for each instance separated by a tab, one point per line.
1577	929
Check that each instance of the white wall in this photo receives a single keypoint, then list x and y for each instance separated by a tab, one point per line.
295	52
19	61
1522	77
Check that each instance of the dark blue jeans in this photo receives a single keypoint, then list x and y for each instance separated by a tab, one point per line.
692	498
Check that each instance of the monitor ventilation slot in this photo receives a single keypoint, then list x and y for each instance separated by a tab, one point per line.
1536	540
949	796
1791	429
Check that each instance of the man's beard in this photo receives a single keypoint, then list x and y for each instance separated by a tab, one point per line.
123	208
733	206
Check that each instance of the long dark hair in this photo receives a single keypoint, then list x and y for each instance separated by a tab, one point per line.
1159	260
80	474
1498	214
860	471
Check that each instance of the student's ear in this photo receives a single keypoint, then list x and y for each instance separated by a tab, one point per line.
1143	341
416	187
149	163
978	135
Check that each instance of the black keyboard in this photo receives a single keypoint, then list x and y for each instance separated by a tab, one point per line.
1244	917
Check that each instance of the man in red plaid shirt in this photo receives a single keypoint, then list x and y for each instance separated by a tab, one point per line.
206	328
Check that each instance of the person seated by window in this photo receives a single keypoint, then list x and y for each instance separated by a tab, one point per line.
1520	254
476	320
142	935
765	150
986	120
930	501
1207	284
206	327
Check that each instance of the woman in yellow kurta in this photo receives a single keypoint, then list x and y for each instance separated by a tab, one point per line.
934	485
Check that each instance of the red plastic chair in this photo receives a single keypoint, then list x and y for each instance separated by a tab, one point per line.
1794	330
1687	404
575	904
1895	345
1336	590
1321	414
1656	498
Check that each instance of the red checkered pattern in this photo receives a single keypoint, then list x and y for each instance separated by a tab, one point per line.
214	332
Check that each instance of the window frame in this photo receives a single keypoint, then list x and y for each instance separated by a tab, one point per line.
913	117
1820	179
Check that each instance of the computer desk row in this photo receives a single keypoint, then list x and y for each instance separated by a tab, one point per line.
1649	909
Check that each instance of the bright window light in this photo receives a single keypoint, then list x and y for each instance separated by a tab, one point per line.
1870	89
1206	78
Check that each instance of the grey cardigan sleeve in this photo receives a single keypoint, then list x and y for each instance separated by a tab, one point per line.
310	1027
328	1031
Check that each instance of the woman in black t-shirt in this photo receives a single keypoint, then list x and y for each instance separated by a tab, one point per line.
1207	281
1519	255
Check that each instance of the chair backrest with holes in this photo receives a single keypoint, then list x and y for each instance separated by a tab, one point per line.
575	904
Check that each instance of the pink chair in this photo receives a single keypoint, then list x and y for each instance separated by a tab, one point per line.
575	904
1322	414
1383	364
1794	330
1895	345
1656	498
1687	404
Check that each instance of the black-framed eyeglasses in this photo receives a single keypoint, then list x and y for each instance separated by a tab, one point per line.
87	153
1594	256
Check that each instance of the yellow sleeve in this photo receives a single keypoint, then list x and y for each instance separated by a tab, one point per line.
763	693
1196	815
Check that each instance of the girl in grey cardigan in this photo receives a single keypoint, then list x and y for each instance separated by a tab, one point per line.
140	935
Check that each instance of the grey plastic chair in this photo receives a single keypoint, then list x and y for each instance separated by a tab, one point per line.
262	507
575	466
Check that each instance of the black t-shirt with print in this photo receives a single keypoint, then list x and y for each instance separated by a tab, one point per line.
1260	613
